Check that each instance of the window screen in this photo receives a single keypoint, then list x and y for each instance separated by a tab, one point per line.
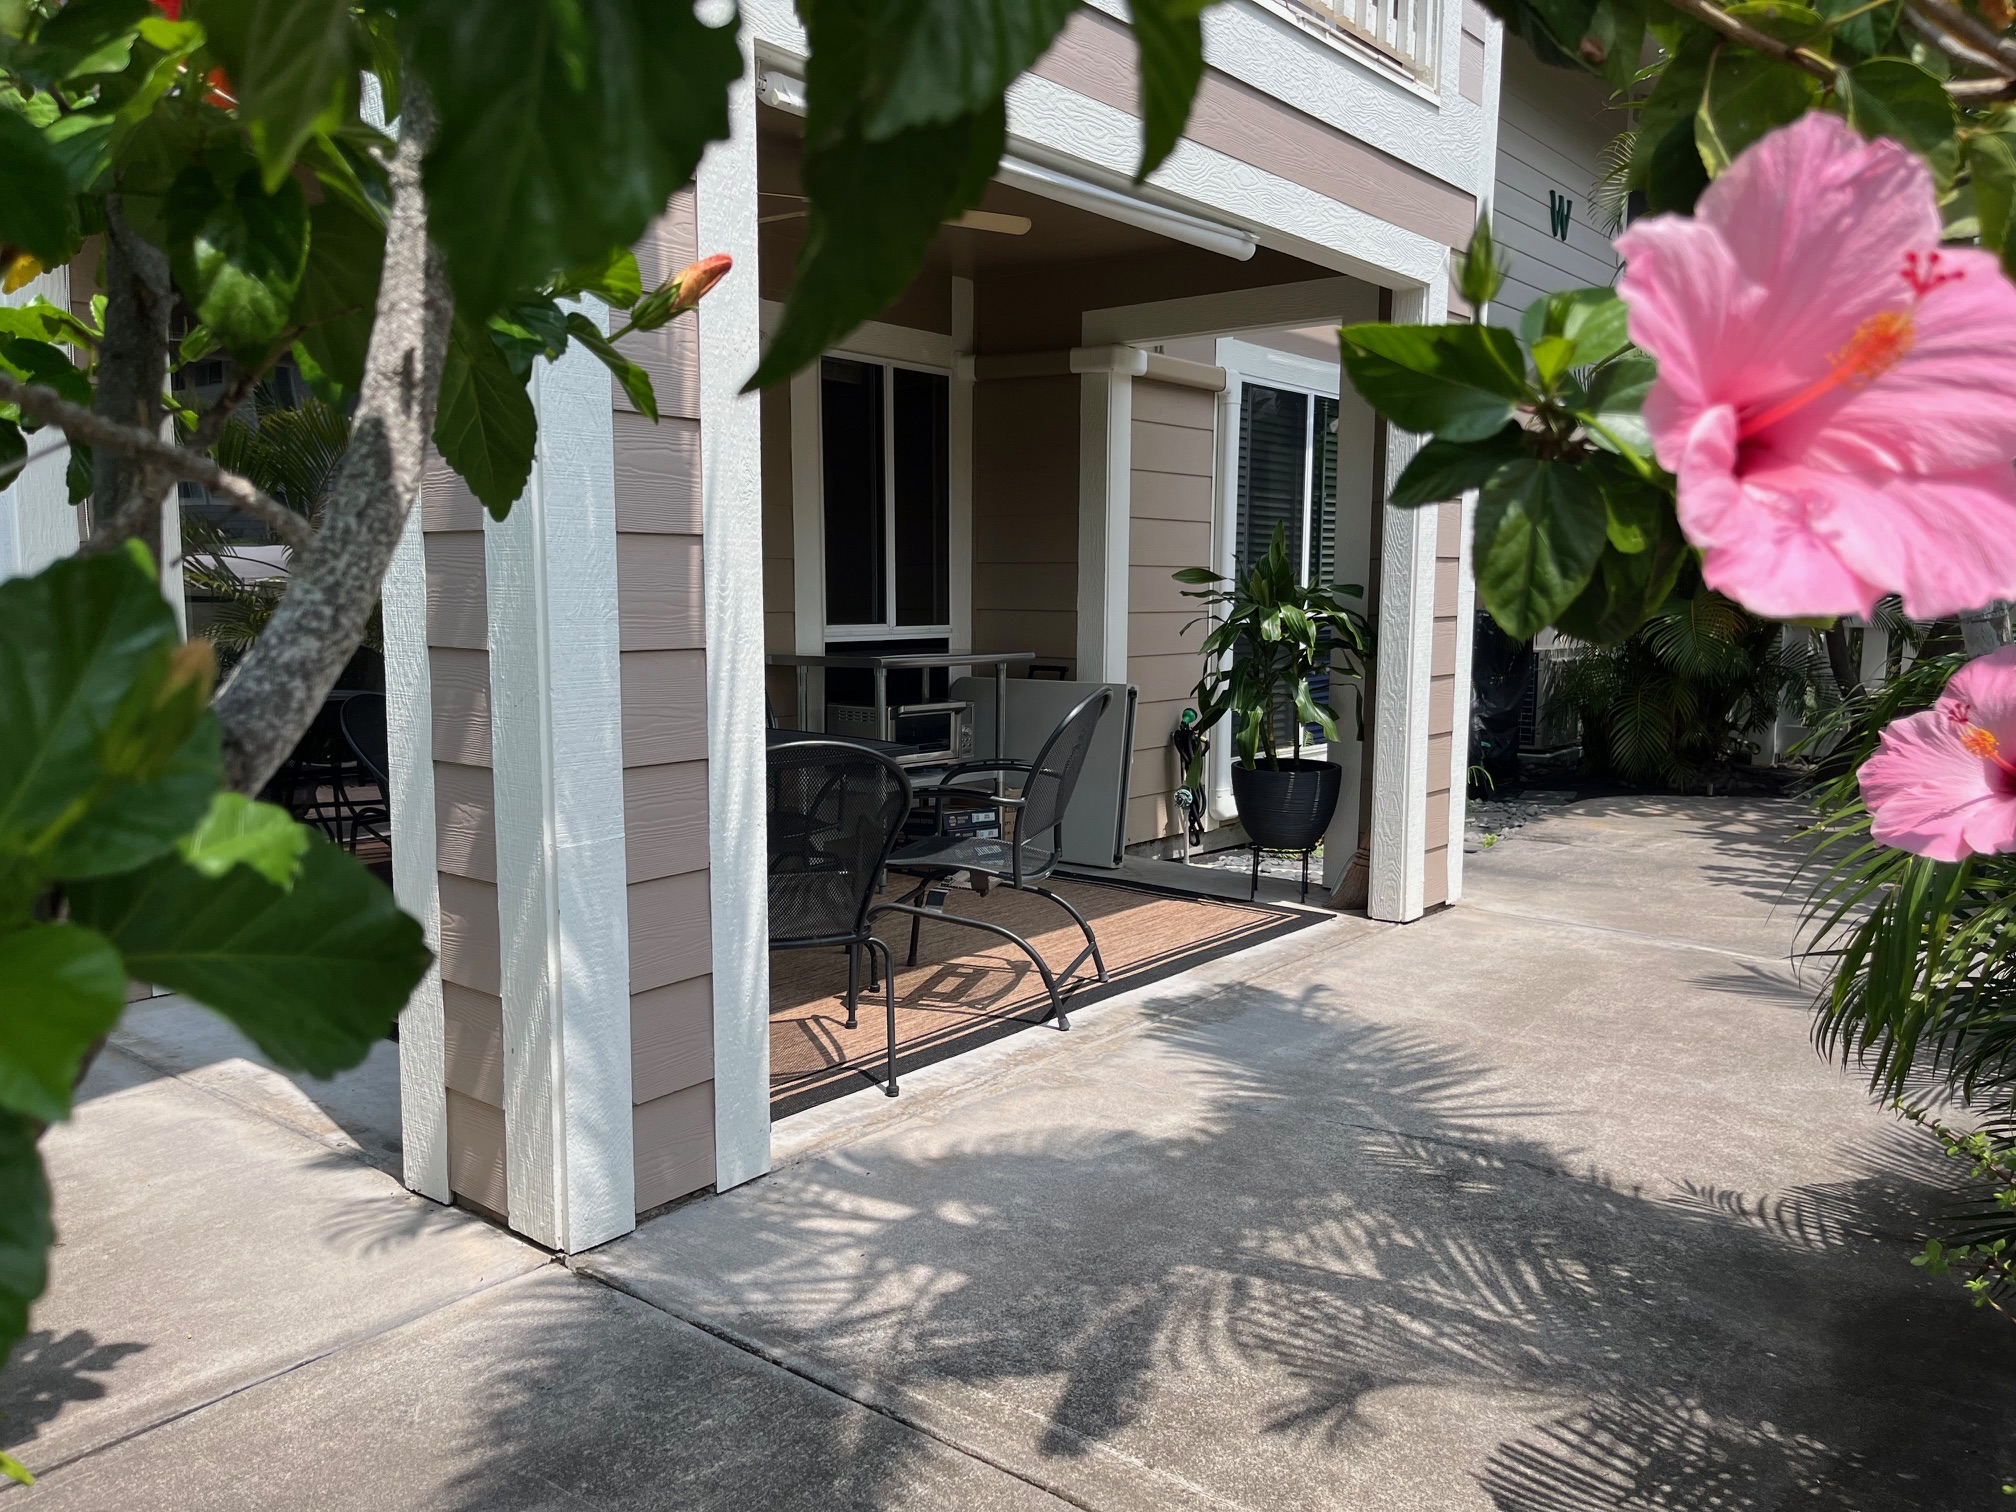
923	497
850	396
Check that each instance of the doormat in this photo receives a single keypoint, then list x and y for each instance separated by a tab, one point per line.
969	989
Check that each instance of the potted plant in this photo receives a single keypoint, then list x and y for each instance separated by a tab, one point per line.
1270	634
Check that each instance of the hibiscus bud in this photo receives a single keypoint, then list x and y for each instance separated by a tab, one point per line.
680	293
1592	51
1481	276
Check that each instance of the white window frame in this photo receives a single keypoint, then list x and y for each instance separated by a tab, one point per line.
888	629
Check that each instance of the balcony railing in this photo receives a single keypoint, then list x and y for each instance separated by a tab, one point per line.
1405	33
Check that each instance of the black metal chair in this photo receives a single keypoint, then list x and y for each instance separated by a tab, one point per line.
361	717
1022	862
835	812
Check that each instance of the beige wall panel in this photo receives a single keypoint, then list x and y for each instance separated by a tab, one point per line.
674	1143
461	682
1161	679
778	633
1440	750
1175	404
1449	531
1054	637
1441	716
664	707
476	1153
469	934
465	813
1002	585
1150	817
1438	823
778	585
671	1038
658	592
455	603
665	819
1172	449
671	938
657	475
671	354
475	1034
1443	647
1033	537
1154	721
1168	544
1095	56
1162	634
1171	496
1448	574
1154	590
1435	888
445	500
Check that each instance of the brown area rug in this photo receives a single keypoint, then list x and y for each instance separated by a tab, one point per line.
968	988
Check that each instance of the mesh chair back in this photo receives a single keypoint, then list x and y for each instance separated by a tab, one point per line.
1054	772
363	721
835	813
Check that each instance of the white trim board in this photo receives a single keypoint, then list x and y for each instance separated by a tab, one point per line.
731	492
1313	302
557	763
1278	369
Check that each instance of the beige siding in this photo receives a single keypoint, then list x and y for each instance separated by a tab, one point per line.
1025	516
1444	722
1174	439
465	836
661	612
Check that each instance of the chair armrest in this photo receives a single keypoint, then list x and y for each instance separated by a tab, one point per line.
960	769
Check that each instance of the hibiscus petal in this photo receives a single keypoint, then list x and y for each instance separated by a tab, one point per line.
1929	795
1947	544
1986	689
1945	405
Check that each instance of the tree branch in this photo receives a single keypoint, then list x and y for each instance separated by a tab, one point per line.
279	687
105	436
1982	44
1738	30
243	380
127	485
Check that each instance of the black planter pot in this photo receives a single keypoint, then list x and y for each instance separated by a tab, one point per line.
1289	805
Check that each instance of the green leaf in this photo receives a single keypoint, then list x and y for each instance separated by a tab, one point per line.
1594	323
566	125
1444	469
1891	97
291	63
1747	96
1482	272
313	975
241	831
1991	164
25	1234
935	63
34	193
875	209
1459	382
614	280
485	427
1626	588
636	382
338	297
1615	41
1540	530
1674	174
1863	34
39	320
40	362
61	987
527	330
84	38
10	1467
1170	37
1638	511
105	763
13	451
238	254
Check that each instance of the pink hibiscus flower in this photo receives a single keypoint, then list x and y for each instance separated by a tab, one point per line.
1837	392
1941	785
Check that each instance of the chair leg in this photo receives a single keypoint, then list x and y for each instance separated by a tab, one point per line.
889	999
853	984
1091	940
916	920
1254	891
1049	981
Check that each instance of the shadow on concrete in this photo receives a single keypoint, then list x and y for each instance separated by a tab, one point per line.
50	1371
1338	1270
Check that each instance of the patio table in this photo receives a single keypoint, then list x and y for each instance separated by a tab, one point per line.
880	665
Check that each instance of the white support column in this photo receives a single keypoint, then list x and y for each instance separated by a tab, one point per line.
416	882
38	523
1105	504
1406	648
1224	561
556	735
1459	756
731	464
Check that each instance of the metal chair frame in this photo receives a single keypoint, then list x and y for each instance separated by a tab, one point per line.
862	937
919	904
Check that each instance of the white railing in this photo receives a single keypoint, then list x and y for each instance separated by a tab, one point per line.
1406	32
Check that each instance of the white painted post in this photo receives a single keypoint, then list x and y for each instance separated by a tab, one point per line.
1406	661
1459	756
416	882
38	523
731	463
1105	504
557	760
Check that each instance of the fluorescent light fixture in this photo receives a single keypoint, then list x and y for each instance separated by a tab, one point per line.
786	92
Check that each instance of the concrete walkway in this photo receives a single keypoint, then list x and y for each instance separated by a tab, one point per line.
1544	1204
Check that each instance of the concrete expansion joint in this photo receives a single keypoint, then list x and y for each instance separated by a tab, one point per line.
1677	942
833	1386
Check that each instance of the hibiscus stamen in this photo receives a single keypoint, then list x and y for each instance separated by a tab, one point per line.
1923	273
1982	743
1878	344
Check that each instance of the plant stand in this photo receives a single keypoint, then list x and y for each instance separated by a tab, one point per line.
1276	850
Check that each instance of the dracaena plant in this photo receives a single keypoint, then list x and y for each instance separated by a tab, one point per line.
1270	634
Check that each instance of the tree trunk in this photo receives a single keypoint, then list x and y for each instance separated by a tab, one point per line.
280	685
1840	663
132	371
